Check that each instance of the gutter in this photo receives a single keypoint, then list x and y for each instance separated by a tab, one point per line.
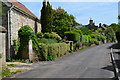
9	31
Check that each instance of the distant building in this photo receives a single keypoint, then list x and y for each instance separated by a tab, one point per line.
92	25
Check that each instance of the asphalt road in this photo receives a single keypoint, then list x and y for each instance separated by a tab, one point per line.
93	62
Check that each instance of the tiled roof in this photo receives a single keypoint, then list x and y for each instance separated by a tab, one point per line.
22	7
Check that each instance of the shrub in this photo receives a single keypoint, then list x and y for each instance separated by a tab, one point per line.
52	51
85	39
72	36
110	35
52	35
16	44
43	51
39	34
25	33
56	36
0	55
47	41
95	41
80	32
47	35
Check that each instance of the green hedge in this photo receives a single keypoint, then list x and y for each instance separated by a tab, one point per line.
52	35
80	32
53	51
72	36
39	34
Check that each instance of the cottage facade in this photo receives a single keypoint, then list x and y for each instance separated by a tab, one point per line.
14	16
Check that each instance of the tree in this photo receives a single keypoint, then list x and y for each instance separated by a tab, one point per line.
63	21
46	17
43	16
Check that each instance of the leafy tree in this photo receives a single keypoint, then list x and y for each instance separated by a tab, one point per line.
115	27
63	21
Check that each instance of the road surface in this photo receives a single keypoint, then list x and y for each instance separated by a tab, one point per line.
93	62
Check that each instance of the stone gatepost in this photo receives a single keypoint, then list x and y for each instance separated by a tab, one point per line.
2	46
30	51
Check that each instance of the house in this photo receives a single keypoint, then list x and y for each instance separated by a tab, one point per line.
14	16
92	25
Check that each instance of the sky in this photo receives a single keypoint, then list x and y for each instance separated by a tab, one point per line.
100	12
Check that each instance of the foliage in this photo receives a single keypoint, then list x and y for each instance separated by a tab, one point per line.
72	36
15	60
80	32
56	36
0	55
98	37
85	39
25	33
47	41
43	17
12	65
6	72
47	35
52	51
39	35
46	17
86	31
16	44
52	35
110	35
63	21
115	27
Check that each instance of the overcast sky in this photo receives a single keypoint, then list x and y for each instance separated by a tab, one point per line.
100	12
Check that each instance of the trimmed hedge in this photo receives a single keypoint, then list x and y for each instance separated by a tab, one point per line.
53	51
40	35
72	36
52	35
80	32
47	41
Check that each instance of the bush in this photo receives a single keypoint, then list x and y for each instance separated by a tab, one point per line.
98	37
47	35
85	39
43	51
55	36
47	41
110	35
80	32
40	35
72	36
52	51
25	33
52	35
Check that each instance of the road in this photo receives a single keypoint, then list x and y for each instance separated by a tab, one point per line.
93	62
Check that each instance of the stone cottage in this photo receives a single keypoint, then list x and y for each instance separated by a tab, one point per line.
14	16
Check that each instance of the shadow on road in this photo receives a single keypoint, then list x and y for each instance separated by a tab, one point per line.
110	68
115	46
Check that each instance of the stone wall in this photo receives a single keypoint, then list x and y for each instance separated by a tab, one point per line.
18	20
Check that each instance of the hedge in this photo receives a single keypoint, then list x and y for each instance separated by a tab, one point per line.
39	34
80	32
72	36
53	51
52	35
